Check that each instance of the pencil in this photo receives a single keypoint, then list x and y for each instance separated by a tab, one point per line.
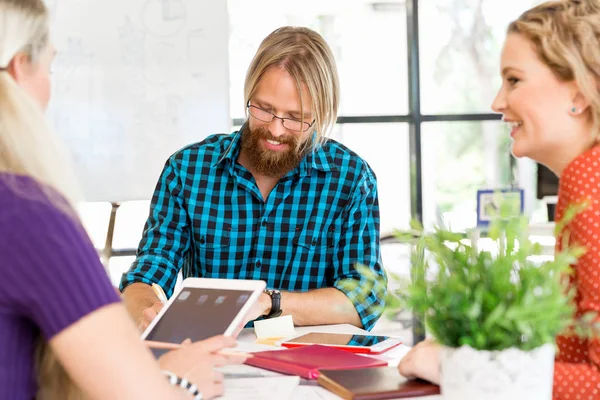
161	345
173	346
160	293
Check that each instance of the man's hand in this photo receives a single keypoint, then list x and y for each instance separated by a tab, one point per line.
261	307
142	303
149	314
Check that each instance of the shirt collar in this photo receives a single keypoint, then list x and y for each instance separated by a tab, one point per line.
318	158
231	151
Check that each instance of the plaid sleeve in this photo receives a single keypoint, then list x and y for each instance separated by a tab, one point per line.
166	239
366	285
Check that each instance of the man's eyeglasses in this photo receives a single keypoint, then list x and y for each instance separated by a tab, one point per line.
288	123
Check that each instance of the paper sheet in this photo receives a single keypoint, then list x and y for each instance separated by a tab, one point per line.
280	388
313	393
275	327
246	371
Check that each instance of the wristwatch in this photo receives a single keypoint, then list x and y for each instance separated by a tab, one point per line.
275	303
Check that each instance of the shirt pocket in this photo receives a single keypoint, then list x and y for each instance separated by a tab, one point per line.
313	249
310	257
313	240
214	238
214	247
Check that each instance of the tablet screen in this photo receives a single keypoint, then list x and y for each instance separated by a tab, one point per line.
339	339
199	313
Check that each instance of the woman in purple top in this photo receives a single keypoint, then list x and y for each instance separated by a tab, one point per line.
53	289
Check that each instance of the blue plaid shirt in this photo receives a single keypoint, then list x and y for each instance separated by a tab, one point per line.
208	218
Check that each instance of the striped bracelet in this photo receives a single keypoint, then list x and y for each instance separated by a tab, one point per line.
183	383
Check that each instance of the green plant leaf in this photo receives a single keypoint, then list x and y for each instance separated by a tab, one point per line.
492	300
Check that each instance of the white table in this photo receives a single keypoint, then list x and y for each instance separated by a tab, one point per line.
310	389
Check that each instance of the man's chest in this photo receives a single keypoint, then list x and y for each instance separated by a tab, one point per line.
300	222
238	218
293	210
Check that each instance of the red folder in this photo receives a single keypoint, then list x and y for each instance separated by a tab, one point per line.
306	361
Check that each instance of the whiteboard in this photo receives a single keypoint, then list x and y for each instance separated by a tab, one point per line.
134	81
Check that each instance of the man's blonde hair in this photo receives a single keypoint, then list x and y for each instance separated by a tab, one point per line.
305	55
566	37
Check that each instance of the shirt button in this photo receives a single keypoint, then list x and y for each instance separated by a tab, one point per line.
258	264
264	223
314	242
202	241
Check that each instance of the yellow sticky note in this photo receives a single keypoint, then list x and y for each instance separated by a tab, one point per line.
271	341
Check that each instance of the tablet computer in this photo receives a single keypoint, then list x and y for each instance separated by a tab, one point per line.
203	308
369	344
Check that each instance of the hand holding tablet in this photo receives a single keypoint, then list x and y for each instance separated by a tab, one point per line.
203	308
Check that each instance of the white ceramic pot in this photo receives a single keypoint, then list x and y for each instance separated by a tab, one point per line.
511	374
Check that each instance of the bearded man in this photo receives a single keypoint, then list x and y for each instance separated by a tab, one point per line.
276	200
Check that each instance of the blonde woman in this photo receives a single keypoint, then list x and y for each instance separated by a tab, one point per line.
551	74
53	289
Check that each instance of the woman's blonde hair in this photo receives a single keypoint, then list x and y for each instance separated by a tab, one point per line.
27	145
305	55
29	148
566	37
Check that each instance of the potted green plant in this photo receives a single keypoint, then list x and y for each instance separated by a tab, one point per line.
495	312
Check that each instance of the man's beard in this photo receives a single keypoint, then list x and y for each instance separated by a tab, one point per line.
268	162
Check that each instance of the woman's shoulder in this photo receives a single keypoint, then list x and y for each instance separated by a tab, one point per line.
581	178
26	204
579	186
15	184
